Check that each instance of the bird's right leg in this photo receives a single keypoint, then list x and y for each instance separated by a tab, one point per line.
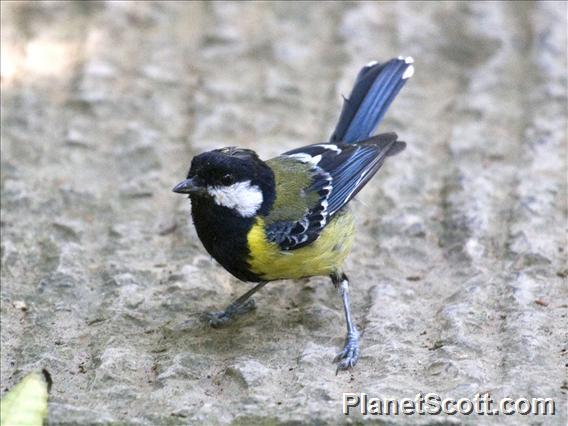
348	357
240	306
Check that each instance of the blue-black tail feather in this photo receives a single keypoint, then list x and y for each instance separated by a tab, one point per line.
375	88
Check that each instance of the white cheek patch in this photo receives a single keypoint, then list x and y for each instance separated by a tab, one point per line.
243	197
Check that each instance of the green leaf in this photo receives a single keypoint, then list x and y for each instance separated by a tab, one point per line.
26	403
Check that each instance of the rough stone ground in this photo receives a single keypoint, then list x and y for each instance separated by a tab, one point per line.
459	274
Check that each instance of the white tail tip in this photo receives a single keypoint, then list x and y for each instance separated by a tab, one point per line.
409	72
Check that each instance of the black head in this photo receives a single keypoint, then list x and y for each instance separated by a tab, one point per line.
233	178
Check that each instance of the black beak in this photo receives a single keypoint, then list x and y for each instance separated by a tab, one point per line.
189	186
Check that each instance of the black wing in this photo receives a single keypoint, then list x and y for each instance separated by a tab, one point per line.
338	172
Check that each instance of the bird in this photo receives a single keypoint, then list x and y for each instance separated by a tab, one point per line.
289	217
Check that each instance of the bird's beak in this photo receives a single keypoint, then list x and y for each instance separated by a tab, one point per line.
189	186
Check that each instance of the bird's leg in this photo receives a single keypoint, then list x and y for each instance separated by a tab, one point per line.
348	357
240	306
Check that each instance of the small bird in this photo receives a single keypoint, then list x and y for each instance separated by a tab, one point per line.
288	217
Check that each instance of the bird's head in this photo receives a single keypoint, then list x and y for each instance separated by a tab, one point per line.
232	178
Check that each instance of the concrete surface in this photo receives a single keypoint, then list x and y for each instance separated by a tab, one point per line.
459	274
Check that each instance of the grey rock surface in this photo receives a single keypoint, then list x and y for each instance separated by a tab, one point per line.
459	271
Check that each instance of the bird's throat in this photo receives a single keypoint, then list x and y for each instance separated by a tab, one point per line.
224	236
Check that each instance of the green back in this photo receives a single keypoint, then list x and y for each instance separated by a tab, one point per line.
293	201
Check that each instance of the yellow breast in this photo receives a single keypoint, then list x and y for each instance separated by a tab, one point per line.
322	257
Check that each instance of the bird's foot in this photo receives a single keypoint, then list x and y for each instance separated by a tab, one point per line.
348	357
222	318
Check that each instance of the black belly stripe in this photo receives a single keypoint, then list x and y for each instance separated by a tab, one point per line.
224	236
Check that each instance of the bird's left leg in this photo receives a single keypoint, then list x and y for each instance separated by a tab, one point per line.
240	306
348	357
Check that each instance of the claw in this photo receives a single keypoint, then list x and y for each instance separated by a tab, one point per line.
248	306
222	318
349	355
216	319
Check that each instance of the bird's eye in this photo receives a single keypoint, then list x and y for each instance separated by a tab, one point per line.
228	179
